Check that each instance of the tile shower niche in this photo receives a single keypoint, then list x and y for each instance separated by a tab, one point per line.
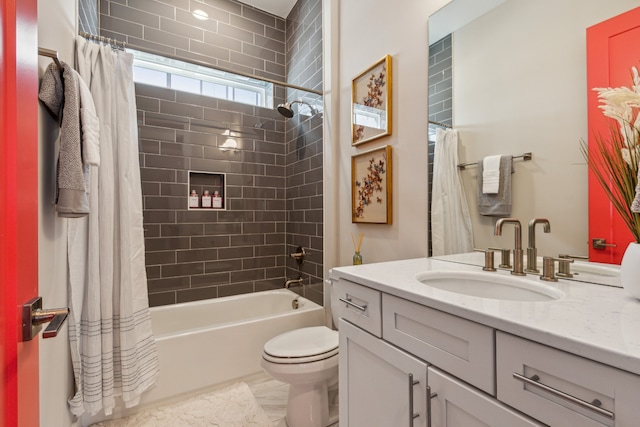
207	190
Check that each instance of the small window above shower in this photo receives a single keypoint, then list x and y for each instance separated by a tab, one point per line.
174	74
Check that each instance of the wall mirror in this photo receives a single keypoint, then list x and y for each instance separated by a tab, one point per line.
519	85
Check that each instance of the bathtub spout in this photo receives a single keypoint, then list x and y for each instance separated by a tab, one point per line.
298	281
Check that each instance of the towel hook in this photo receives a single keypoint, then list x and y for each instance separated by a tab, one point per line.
53	54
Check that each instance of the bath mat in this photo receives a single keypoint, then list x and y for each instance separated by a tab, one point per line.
234	406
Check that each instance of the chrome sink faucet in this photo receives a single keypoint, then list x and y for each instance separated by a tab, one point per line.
517	250
532	251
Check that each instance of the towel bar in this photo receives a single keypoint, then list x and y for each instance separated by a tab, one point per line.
524	157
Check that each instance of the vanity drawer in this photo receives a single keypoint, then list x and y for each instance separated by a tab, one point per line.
357	304
562	389
463	348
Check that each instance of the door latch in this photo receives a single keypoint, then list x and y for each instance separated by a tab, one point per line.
33	317
601	244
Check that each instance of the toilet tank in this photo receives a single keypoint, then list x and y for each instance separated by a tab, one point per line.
334	308
328	301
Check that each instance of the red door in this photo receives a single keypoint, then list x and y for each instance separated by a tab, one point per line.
612	49
19	393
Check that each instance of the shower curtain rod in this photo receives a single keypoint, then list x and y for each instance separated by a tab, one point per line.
113	42
204	64
444	125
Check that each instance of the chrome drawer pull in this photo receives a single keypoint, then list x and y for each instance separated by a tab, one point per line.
429	397
584	404
348	301
413	416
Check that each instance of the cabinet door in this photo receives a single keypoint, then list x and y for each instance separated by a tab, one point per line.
456	404
375	382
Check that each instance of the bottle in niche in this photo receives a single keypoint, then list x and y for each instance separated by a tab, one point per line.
216	200
357	258
194	200
206	199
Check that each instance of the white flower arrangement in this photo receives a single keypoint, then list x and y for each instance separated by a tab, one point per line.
615	163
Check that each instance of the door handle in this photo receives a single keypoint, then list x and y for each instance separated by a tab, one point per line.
34	316
429	397
593	406
349	302
412	415
600	244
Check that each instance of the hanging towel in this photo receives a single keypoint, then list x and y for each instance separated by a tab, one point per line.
451	231
90	126
491	174
62	97
496	204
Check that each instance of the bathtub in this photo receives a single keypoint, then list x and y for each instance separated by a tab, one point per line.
207	343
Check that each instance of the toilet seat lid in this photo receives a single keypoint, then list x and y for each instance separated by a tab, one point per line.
318	341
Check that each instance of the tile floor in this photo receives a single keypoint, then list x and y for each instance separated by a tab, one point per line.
272	395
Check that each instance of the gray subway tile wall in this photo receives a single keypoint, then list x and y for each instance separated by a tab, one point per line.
207	254
304	165
274	180
236	36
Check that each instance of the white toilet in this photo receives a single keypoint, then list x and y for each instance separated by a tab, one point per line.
306	359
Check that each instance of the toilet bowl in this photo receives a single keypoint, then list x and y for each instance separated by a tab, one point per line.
306	359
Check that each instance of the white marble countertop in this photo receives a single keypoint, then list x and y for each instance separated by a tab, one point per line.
598	322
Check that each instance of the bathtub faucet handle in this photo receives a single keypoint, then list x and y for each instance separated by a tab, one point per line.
299	255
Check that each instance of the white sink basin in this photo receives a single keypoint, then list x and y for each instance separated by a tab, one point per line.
490	285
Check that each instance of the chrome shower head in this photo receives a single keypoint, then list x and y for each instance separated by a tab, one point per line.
286	110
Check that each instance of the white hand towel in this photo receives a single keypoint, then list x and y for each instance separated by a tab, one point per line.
491	174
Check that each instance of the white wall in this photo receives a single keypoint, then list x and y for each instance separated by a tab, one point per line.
519	83
57	21
367	31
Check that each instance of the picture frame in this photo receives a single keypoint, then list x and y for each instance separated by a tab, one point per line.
371	185
371	102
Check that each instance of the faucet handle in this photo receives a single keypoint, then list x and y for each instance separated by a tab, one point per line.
548	268
505	261
564	269
488	259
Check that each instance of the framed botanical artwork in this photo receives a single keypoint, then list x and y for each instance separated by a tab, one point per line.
371	186
371	103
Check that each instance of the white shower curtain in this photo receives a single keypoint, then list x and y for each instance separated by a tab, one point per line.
451	231
112	347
